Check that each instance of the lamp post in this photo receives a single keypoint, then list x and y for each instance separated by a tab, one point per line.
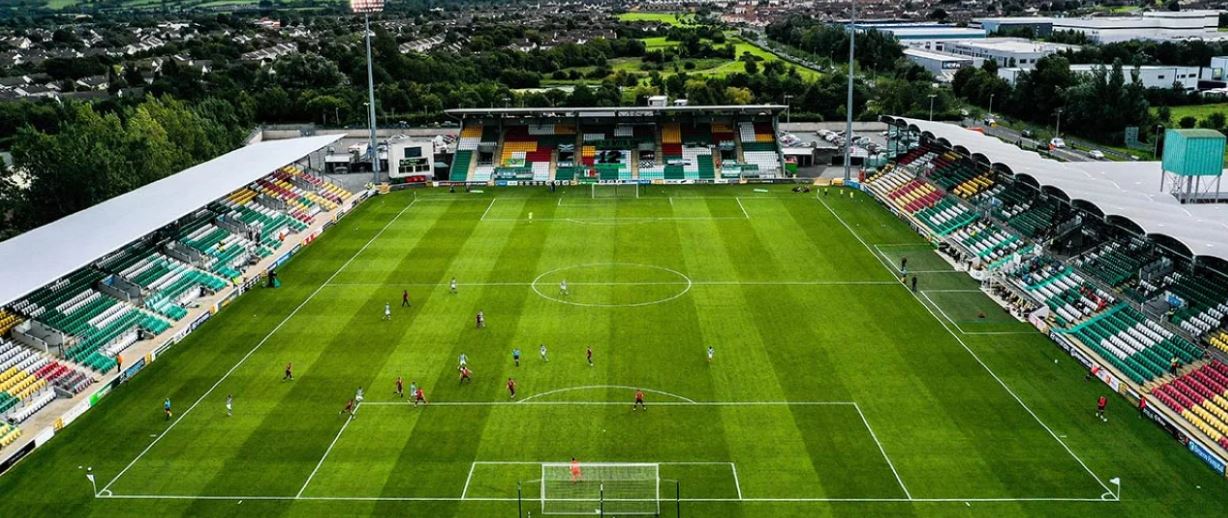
788	109
366	7
848	107
991	104
932	96
1057	130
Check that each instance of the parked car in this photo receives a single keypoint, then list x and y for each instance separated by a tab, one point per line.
1027	133
1057	143
1096	153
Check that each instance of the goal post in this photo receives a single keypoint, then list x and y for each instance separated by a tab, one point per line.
614	190
614	488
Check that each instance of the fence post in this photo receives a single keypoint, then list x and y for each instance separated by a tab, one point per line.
519	501
601	496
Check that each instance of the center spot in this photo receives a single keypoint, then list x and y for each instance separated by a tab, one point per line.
612	285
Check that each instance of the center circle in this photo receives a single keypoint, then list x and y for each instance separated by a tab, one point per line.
612	285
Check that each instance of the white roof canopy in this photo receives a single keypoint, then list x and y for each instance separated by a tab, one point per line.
47	253
1128	190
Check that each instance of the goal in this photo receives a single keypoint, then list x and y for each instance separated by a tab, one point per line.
615	190
611	488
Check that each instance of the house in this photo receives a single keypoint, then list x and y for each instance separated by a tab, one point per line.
270	54
98	82
37	91
19	42
11	82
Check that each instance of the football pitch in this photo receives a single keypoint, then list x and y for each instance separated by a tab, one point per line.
833	389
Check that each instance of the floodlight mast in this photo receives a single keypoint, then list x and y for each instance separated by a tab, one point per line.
366	7
848	107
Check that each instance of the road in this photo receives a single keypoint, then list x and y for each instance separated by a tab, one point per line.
1012	136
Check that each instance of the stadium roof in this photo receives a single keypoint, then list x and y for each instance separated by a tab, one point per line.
615	111
47	253
1126	190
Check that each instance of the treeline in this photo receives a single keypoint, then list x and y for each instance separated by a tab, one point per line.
875	50
1097	105
89	155
1194	53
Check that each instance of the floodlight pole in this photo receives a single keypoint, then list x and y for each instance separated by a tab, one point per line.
371	100
848	107
788	109
932	96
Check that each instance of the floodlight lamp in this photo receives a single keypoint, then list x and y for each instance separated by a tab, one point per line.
367	6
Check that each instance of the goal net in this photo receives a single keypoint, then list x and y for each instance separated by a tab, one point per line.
615	190
612	488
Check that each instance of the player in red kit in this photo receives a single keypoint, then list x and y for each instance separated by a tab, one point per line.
639	401
1100	404
575	470
511	388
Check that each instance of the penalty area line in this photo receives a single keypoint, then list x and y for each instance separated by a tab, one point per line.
686	403
800	500
978	359
329	450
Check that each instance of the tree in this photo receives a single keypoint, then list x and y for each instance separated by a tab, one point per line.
938	14
1187	122
752	68
327	106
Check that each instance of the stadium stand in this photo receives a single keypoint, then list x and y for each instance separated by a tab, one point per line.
676	143
1134	344
1140	307
83	320
1201	397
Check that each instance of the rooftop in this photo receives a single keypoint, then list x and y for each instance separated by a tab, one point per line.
48	253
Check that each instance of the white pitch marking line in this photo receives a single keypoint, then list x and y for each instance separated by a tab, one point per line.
488	207
597	387
514	499
672	283
736	483
664	463
259	344
687	403
743	207
975	357
329	450
465	490
882	451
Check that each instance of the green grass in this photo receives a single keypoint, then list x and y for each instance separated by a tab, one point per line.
786	288
1198	111
674	19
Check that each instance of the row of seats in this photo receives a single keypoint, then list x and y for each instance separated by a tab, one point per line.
32	405
1137	346
945	216
1035	220
8	321
988	242
1115	263
1066	293
959	176
8	434
1206	302
1201	397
